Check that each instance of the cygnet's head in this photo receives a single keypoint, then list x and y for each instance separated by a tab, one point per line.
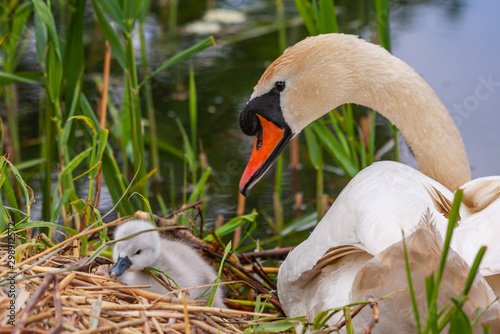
138	252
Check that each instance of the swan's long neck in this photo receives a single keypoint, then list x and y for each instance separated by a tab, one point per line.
344	69
397	92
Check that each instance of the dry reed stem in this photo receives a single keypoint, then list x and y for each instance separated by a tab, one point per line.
156	324
374	305
272	253
31	304
267	270
57	301
131	323
205	327
146	329
63	244
66	281
24	330
186	316
142	293
84	302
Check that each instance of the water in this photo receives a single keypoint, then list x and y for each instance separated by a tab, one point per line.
453	44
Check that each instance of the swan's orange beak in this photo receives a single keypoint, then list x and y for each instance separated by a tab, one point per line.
270	141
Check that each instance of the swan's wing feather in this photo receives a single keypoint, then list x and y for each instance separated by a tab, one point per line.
327	284
386	273
479	194
372	210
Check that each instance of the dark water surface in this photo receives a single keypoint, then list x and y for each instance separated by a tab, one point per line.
455	46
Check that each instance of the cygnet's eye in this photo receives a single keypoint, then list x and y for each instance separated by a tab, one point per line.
138	252
279	86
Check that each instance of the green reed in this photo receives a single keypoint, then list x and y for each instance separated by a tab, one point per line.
74	146
453	315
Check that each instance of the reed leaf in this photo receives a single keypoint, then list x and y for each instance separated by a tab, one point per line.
166	147
14	33
211	299
276	326
62	201
411	288
306	12
192	108
73	57
113	9
232	225
110	34
327	18
198	47
24	77
200	186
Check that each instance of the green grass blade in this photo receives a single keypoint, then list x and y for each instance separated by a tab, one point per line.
412	290
41	38
190	155
276	326
13	37
43	12
166	147
474	270
116	183
217	280
46	224
110	35
232	225
371	143
432	321
459	322
200	186
198	47
27	192
312	146
305	11
62	202
383	16
113	9
327	18
76	161
9	78
30	163
73	58
192	108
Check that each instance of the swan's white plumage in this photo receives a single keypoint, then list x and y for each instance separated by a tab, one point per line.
386	273
178	260
366	221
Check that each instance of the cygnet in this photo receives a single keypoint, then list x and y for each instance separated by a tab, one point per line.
178	260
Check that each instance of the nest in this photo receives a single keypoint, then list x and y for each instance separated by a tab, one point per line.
52	297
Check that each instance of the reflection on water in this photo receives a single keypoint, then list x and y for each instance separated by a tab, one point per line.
453	44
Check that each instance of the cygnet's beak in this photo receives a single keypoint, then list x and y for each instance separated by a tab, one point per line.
122	264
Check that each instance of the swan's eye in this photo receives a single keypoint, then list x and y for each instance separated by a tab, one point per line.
279	86
138	252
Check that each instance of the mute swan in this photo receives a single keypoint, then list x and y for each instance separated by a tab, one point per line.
317	75
178	260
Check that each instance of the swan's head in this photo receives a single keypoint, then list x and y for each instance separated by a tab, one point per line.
311	78
138	252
